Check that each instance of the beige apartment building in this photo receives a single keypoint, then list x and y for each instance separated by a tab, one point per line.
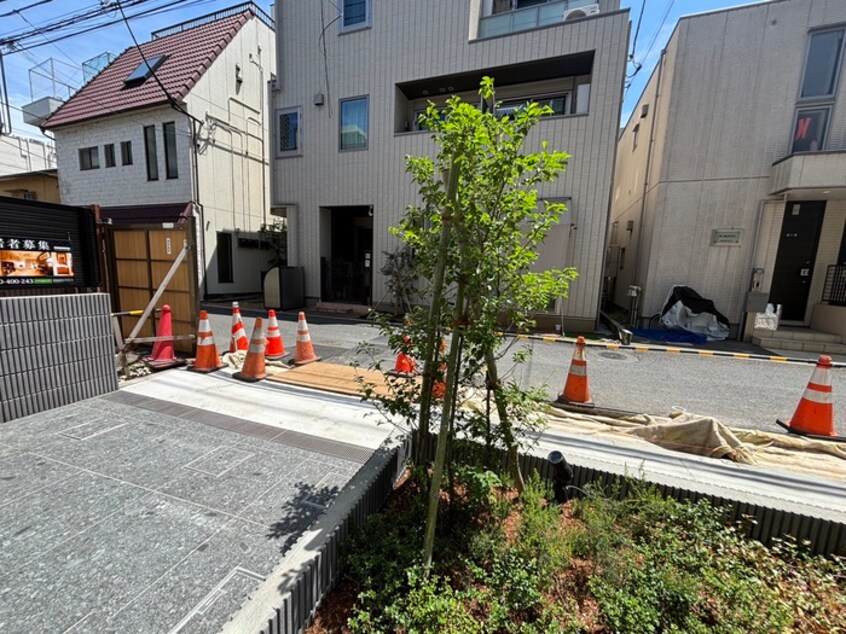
353	76
731	173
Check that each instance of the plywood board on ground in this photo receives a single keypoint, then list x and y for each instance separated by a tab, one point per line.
333	378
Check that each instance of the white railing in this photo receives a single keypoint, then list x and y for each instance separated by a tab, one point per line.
529	18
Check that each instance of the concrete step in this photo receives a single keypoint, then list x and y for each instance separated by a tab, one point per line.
786	333
823	347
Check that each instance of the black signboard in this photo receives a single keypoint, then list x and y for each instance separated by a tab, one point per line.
46	245
30	261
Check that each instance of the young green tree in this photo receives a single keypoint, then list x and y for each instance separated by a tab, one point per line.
475	237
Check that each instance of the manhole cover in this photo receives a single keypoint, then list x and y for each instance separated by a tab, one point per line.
617	356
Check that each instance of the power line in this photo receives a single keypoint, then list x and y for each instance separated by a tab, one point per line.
16	38
658	30
170	98
652	41
165	8
637	32
20	10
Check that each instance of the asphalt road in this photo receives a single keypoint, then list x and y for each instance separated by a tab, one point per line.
739	392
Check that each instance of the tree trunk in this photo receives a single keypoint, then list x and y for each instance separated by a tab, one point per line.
504	422
451	380
431	344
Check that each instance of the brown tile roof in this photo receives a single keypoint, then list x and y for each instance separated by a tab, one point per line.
147	214
189	55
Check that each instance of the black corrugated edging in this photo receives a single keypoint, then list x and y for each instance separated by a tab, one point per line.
319	575
755	521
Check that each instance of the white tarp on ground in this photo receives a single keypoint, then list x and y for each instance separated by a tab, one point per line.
706	436
686	310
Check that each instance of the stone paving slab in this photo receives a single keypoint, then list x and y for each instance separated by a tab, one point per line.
124	513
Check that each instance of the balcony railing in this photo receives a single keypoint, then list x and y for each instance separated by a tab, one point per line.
529	18
834	291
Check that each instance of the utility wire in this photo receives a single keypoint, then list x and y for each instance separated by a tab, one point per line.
16	38
20	10
658	30
637	32
176	106
165	8
652	42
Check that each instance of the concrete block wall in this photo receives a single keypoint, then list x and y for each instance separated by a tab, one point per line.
54	350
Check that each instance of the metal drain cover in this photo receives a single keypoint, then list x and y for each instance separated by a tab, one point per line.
617	356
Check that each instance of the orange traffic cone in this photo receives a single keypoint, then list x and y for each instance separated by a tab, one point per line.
576	388
239	335
275	346
405	365
207	358
254	369
815	414
163	357
305	351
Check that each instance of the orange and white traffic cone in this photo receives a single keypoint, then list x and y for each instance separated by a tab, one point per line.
254	369
207	358
814	415
239	334
405	365
163	356
576	388
275	346
305	351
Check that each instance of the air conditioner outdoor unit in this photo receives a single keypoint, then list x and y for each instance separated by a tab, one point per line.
581	12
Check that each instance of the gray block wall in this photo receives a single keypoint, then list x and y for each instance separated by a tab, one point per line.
54	350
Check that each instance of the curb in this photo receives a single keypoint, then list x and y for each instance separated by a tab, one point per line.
671	350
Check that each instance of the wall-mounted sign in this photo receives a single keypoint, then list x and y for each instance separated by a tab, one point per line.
26	261
725	237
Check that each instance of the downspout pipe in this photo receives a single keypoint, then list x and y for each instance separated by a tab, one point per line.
195	194
646	174
610	198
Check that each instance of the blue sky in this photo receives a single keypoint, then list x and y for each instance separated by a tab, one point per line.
69	54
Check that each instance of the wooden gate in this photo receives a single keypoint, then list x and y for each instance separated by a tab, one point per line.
138	258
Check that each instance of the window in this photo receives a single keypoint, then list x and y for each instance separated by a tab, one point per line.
635	137
89	158
288	132
353	121
560	105
150	153
126	152
169	132
419	125
355	14
822	63
28	194
810	129
224	258
109	154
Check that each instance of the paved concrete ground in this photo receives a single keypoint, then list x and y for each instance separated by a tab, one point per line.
742	393
161	507
135	512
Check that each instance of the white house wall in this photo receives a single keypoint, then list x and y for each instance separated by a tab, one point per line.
409	41
729	90
232	164
21	154
123	184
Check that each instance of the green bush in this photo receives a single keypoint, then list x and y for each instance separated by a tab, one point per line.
651	564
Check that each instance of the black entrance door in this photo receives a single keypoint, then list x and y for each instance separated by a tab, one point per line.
347	274
797	250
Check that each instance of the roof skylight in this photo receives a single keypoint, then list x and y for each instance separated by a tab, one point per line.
144	70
